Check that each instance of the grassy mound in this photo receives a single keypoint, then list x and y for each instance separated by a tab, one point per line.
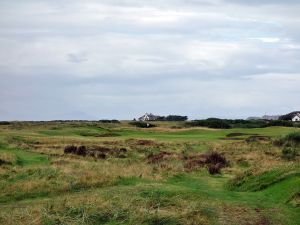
249	181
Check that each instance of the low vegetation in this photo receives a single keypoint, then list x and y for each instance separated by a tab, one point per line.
252	180
290	144
226	123
172	118
291	139
142	124
107	172
211	123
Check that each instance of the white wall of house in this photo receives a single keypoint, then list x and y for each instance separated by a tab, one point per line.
296	118
144	118
148	117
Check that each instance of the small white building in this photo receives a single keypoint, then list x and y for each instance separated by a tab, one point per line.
296	118
293	116
148	117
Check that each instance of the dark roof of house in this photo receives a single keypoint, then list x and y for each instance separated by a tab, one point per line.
289	116
150	115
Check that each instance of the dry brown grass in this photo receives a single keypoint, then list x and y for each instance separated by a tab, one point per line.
8	158
262	156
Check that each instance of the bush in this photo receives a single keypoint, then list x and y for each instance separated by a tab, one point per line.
215	163
214	169
81	150
101	155
238	123
142	124
289	153
172	118
216	158
247	123
290	144
2	162
292	139
219	124
109	121
4	123
281	123
211	123
70	149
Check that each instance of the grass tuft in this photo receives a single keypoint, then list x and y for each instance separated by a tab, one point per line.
250	181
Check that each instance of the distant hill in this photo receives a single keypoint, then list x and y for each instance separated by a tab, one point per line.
265	117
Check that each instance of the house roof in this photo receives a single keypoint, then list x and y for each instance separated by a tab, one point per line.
149	115
290	116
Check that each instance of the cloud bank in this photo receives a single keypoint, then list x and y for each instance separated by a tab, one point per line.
118	59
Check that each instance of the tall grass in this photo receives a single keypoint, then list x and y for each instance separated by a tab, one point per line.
291	140
250	181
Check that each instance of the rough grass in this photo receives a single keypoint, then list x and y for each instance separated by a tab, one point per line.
8	158
291	139
250	181
42	185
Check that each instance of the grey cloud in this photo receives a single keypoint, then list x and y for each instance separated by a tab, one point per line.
117	59
263	2
76	58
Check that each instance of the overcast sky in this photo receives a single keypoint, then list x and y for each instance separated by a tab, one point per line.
72	59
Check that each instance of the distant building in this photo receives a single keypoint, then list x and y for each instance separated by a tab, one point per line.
296	118
293	116
267	117
148	117
254	118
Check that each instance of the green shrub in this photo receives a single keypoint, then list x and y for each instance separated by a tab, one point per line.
142	124
289	153
211	123
290	144
238	123
172	118
4	123
109	121
291	139
281	123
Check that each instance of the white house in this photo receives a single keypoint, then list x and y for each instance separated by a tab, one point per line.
293	116
296	118
148	117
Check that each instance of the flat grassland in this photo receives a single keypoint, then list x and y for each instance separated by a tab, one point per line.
128	175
